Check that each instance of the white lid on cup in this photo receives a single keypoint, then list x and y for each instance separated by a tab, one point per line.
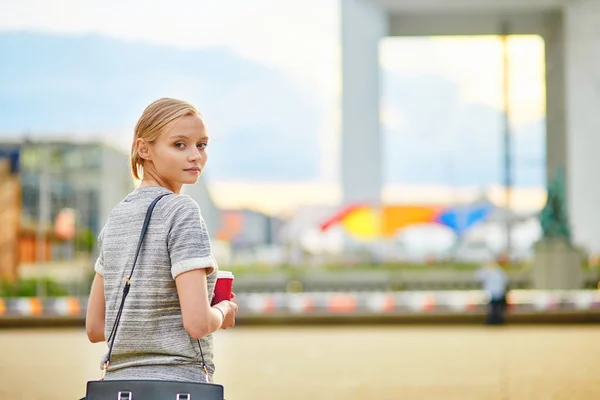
225	274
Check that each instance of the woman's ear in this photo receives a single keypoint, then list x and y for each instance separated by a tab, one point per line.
142	149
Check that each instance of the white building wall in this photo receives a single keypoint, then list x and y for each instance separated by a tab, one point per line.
115	182
210	212
582	65
363	25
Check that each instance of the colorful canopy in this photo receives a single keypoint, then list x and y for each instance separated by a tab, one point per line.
461	218
368	222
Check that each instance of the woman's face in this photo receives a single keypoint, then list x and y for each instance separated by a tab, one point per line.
179	154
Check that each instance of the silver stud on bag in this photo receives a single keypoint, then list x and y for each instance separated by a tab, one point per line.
124	396
185	396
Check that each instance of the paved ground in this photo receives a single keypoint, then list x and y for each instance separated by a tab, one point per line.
349	363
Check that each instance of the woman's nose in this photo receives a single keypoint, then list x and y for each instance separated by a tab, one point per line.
196	154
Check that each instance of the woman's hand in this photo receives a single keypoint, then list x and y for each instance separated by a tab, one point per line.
229	309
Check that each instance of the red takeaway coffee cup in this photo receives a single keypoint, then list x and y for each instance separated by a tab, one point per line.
223	287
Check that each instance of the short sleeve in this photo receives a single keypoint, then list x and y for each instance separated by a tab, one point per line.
187	239
99	265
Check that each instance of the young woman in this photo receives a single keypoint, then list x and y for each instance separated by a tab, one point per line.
168	307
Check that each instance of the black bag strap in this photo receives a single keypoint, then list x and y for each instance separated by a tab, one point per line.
127	286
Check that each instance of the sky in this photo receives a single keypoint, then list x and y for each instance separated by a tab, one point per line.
300	38
475	63
280	34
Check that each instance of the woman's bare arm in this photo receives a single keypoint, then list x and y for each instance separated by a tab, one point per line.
94	320
199	318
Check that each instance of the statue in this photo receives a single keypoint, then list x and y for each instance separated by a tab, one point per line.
554	218
557	262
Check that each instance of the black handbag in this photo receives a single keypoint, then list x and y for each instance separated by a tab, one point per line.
148	389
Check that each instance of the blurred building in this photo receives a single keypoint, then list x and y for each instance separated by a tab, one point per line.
10	211
572	57
57	175
246	229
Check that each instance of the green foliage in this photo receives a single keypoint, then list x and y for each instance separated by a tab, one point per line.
554	218
29	287
290	270
85	240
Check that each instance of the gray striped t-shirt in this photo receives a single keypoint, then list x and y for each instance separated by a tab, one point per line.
151	342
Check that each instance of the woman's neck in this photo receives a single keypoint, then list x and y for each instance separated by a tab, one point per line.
151	182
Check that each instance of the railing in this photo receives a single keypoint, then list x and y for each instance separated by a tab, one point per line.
344	304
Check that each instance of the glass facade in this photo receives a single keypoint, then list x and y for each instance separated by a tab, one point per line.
71	172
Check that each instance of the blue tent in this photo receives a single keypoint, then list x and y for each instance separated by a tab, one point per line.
459	219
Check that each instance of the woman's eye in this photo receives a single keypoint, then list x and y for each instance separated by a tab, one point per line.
202	145
179	144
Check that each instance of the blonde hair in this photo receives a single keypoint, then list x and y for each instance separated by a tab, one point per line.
158	115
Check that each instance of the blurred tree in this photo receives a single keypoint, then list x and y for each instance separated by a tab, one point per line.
85	240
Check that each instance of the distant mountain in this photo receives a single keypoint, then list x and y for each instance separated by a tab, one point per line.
260	119
264	124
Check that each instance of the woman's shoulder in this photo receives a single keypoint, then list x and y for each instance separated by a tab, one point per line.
179	206
179	202
170	202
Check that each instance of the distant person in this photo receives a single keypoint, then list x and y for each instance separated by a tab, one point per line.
495	285
165	330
